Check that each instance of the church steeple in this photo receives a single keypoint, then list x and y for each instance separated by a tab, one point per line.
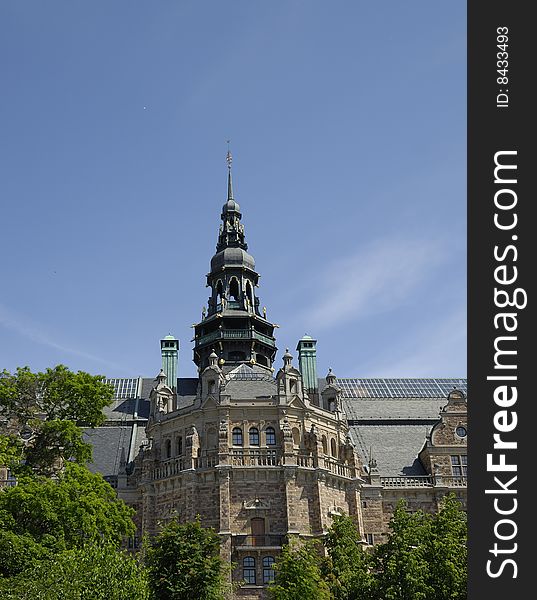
231	233
233	324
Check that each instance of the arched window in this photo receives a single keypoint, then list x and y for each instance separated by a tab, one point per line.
333	447
268	569
234	289
219	291
249	293
325	444
236	436
296	436
292	384
212	386
168	448
248	569
270	434
254	436
178	446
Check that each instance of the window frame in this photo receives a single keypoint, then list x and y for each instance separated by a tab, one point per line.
236	434
249	571
268	569
459	465
270	431
253	434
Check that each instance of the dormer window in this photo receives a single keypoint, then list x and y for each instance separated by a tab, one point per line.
292	385
212	386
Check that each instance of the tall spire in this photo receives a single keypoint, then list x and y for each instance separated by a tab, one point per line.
229	160
232	325
231	231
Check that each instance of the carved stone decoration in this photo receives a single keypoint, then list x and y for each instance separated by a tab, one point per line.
256	504
223	429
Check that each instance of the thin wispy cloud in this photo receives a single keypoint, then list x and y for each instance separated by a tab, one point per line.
22	326
377	279
435	350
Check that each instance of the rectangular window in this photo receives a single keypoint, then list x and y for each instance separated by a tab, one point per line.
459	465
369	538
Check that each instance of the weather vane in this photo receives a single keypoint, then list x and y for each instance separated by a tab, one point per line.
229	158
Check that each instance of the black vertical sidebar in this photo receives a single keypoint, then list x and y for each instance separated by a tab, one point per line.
502	268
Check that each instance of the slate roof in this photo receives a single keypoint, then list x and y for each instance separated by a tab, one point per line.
120	409
245	382
394	427
107	443
382	409
395	447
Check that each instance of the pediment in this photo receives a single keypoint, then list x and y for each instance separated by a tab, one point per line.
256	504
210	402
297	402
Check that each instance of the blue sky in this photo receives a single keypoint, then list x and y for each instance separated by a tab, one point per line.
347	123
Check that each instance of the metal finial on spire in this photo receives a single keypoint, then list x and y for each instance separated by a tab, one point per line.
229	157
229	160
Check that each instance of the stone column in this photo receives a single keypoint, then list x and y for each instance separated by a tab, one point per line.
355	503
224	501
291	504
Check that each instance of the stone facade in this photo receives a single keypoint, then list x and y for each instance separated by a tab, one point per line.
257	469
263	458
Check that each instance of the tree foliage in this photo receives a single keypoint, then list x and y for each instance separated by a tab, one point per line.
298	574
184	562
11	451
424	558
50	408
64	513
57	393
402	560
425	555
348	568
92	572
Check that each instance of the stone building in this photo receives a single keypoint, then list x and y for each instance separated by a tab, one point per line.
263	454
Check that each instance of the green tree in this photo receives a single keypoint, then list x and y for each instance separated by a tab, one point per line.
48	409
425	556
348	568
402	563
92	572
11	451
446	551
63	513
19	552
298	574
184	562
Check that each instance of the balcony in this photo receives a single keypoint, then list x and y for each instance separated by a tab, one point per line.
235	334
244	542
255	458
423	481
